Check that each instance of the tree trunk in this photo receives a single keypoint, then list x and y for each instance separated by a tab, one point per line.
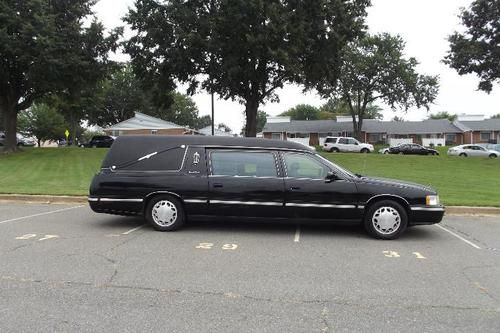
251	108
10	125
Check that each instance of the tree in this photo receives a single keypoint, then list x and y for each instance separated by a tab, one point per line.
373	68
183	111
261	122
302	112
396	118
43	122
477	50
338	107
203	122
242	50
443	115
44	49
495	116
223	127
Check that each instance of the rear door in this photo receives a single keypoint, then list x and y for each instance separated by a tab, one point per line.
245	183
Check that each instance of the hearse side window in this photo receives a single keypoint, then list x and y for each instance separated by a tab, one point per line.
243	163
303	166
170	160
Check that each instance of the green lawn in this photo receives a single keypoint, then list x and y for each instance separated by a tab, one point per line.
61	171
68	171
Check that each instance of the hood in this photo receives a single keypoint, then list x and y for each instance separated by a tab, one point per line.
394	183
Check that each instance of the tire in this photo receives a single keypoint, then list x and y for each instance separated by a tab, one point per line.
463	155
165	213
334	150
364	151
386	152
493	156
386	219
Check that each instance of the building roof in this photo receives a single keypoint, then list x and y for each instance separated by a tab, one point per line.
483	125
430	126
308	126
143	121
369	126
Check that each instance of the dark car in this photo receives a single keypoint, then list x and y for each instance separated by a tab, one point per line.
99	141
170	179
412	149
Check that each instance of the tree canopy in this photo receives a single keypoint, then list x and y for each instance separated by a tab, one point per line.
477	49
302	112
44	49
373	68
43	122
240	49
443	115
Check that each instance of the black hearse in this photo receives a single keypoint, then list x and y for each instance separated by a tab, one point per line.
169	179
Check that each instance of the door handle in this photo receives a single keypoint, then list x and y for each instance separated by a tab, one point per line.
294	188
218	185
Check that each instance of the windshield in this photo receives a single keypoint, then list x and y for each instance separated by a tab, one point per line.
335	167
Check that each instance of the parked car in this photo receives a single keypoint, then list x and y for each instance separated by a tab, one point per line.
172	179
472	151
412	149
491	146
99	141
346	144
21	140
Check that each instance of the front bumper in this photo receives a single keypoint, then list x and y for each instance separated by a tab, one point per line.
426	214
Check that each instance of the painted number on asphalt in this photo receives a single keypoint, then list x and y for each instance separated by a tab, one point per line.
394	254
30	236
209	246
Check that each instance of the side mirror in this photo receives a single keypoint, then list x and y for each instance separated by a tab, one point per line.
330	177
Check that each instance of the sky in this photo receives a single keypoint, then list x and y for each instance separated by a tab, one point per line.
423	24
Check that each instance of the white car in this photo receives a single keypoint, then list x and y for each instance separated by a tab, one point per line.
336	144
473	151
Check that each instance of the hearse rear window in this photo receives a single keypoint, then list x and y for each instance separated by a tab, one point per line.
170	160
244	163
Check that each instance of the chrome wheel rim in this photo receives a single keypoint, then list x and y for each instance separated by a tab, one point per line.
386	220
164	213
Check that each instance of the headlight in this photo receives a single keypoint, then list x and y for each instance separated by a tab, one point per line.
432	200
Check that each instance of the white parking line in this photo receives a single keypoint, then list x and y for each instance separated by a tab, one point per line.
297	235
132	230
40	214
459	237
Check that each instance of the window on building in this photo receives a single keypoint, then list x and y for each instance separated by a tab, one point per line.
154	131
485	136
276	136
451	138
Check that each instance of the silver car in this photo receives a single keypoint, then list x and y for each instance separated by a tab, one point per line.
473	151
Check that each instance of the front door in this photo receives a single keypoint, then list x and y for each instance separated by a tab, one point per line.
308	194
245	183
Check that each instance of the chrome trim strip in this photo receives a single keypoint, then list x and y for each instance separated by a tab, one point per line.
93	199
387	195
236	176
119	200
319	205
196	201
428	209
251	203
361	207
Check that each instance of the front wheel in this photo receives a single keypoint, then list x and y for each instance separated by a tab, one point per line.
386	219
364	151
165	213
334	150
463	155
493	156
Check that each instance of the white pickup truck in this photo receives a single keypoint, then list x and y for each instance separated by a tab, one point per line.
336	144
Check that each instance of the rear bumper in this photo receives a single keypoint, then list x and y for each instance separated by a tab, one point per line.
426	215
119	206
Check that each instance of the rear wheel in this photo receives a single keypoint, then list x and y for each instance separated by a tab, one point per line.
386	219
364	151
493	156
165	213
463	155
334	150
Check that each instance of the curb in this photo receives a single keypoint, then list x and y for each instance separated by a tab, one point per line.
64	199
48	199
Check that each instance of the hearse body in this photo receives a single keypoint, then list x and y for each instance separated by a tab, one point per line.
170	179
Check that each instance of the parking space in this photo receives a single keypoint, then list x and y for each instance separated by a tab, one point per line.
76	270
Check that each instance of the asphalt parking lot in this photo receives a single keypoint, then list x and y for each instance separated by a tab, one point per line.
65	268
